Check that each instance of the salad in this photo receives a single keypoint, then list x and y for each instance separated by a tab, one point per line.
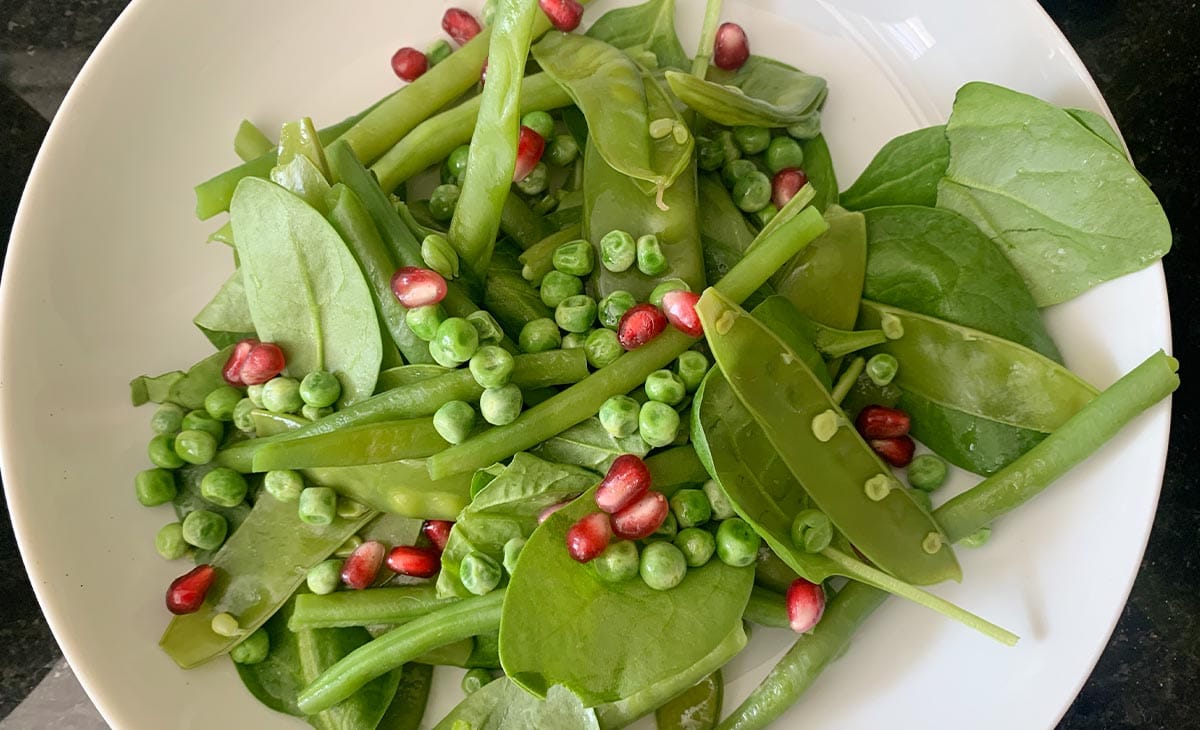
630	374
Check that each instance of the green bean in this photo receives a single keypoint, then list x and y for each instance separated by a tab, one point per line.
766	608
538	259
377	606
455	622
520	223
847	380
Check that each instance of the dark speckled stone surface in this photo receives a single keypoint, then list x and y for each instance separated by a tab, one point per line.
1145	56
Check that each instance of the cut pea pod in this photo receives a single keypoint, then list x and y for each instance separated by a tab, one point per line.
786	321
372	443
698	708
825	281
399	487
762	93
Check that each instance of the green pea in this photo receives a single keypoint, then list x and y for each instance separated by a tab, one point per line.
424	321
619	416
253	649
161	451
729	148
284	484
154	487
737	543
454	421
722	508
696	545
979	538
540	122
665	386
575	340
751	140
221	401
442	202
618	251
752	192
666	287
437	52
169	542
557	286
349	509
324	577
561	150
223	487
475	680
254	393
224	624
710	155
546	204
318	505
576	314
536	182
662	566
658	423
168	418
603	348
456	164
812	531
650	258
576	258
927	472
512	551
619	562
320	389
242	418
196	447
204	529
313	413
539	335
201	421
736	170
282	395
882	368
501	406
669	528
479	573
436	251
765	215
440	356
691	508
614	306
782	153
458	338
491	366
486	327
691	367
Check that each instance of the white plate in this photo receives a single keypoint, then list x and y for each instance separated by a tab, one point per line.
107	265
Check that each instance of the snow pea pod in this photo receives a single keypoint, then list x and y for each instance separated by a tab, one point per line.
825	280
371	443
407	375
779	316
762	93
397	487
697	708
785	320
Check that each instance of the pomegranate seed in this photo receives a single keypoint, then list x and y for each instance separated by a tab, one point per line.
881	422
640	519
897	451
362	567
417	562
545	514
530	146
409	64
639	325
564	14
588	537
438	532
186	593
626	481
264	361
680	308
805	604
786	183
731	47
232	372
417	287
460	25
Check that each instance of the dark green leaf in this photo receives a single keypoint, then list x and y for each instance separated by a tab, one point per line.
650	26
975	444
726	234
905	172
408	706
818	166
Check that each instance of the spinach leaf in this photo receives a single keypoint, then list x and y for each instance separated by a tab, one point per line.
723	229
226	319
905	171
636	636
507	507
1100	127
588	445
183	389
503	705
818	166
825	280
650	26
302	178
975	444
762	93
1067	208
305	291
408	705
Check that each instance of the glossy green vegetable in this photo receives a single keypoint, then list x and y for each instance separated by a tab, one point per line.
226	318
371	443
905	171
250	142
725	234
408	704
698	708
183	389
398	487
502	705
764	93
649	26
589	444
818	165
825	280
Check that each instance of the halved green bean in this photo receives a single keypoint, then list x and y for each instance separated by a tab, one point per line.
392	605
370	443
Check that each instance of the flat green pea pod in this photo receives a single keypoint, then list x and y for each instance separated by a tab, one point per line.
762	93
825	280
786	321
372	443
698	708
398	487
649	26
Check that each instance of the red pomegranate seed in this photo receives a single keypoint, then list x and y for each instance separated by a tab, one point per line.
438	532
639	325
626	481
897	451
417	562
731	47
186	593
545	513
232	372
460	25
409	64
805	604
362	567
680	308
264	361
564	14
530	146
417	287
786	183
881	422
588	537
640	519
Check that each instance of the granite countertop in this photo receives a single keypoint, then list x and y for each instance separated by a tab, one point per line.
1145	57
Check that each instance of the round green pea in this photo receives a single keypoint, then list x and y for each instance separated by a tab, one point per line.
540	122
282	395
576	314
501	406
650	258
665	386
619	562
691	508
614	306
440	356
161	451
254	393
437	52
154	487
320	389
324	577
691	367
710	154
443	200
458	338
539	335
669	528
619	416
201	421
666	287
561	150
284	484
575	340
811	531
168	418
242	418
454	421
722	508
313	413
318	505
751	140
196	447
491	366
658	423
736	170
456	164
486	327
512	551
169	542
557	286
479	573
752	192
536	182
475	680
252	649
882	368
729	148
221	401
424	321
696	545
927	472
204	529
618	251
662	566
223	487
576	258
603	348
737	543
782	153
